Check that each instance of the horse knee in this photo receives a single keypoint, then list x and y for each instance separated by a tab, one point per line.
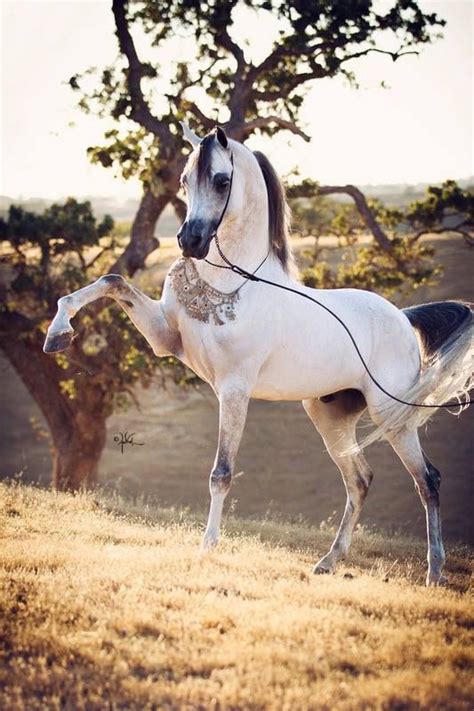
220	480
113	279
114	283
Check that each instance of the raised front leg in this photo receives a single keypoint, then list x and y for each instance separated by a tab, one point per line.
233	404
147	315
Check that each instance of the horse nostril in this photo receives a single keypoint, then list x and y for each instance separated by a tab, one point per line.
182	232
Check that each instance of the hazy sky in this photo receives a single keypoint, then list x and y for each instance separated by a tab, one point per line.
421	129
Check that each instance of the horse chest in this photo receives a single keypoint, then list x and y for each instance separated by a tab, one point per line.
219	352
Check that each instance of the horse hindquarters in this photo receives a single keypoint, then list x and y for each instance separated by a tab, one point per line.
445	331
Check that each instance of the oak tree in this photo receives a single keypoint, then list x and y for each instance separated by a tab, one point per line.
43	257
314	40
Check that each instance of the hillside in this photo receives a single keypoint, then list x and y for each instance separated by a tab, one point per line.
107	604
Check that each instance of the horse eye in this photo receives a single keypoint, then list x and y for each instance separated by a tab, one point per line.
221	182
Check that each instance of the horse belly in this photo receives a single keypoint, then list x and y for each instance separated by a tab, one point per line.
293	375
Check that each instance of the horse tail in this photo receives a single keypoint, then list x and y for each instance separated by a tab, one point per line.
445	332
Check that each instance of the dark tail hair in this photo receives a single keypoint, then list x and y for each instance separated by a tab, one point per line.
446	333
436	322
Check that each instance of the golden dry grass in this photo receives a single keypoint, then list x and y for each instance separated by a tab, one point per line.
102	609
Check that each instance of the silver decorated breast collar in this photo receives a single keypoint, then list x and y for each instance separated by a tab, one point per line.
202	301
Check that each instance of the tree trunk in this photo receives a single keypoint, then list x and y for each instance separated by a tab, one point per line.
142	236
76	458
77	426
364	210
41	376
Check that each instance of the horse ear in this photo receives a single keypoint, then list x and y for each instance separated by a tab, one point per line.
190	135
221	137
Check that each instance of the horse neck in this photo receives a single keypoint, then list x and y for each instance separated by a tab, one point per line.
243	234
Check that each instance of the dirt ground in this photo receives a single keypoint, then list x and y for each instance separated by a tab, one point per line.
286	469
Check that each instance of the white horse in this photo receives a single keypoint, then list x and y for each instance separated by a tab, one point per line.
250	340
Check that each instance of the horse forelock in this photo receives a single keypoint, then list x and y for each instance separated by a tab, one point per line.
204	159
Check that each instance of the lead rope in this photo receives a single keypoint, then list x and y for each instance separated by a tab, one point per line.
252	277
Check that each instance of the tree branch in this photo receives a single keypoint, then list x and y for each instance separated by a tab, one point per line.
393	55
206	122
98	256
308	188
364	210
13	322
180	208
223	39
283	123
469	238
140	111
290	83
317	71
142	239
279	52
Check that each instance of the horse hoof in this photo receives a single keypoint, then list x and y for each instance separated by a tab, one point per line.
436	582
58	342
209	543
322	569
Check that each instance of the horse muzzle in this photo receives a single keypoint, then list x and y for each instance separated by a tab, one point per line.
194	238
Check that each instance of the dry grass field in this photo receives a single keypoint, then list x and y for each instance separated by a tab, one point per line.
107	604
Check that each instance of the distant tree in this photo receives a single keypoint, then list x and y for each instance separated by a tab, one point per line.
448	208
407	264
43	257
316	40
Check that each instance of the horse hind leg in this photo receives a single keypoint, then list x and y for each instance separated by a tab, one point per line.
336	422
427	481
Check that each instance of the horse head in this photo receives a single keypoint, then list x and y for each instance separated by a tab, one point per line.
207	180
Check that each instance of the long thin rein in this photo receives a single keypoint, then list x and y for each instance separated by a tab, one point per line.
253	277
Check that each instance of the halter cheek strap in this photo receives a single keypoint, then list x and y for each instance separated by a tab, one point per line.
227	264
228	195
